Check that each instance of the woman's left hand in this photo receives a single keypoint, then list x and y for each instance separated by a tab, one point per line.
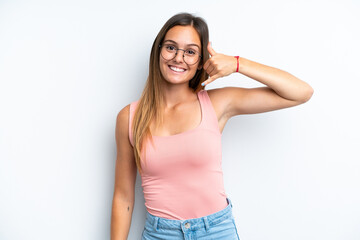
218	65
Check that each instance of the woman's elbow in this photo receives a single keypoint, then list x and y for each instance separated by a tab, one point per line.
308	92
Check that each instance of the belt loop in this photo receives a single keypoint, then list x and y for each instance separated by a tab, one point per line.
206	223
156	220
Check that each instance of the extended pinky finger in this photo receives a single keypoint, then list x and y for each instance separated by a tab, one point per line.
209	80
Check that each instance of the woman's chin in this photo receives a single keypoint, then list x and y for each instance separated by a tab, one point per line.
172	80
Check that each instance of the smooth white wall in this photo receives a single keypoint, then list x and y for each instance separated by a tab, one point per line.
68	67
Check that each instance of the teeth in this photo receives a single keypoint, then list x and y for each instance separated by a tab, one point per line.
177	69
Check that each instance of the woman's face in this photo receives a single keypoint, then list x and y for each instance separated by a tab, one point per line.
177	71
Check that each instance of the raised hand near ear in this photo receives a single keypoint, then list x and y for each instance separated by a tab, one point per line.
218	65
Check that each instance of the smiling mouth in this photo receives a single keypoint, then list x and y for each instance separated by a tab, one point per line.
177	69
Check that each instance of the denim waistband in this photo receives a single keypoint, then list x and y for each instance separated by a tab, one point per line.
194	223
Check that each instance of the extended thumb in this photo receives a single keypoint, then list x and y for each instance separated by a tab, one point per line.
211	50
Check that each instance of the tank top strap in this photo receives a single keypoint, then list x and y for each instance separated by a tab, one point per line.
132	109
210	117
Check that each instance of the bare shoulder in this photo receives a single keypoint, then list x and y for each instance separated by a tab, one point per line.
220	99
123	115
122	122
124	112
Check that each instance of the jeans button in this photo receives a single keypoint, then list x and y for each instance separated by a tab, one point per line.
187	225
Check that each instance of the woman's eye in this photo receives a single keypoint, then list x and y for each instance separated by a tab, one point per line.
190	52
171	48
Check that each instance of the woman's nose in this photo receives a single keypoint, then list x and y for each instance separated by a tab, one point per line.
179	57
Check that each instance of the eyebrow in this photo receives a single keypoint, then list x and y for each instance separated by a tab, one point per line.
191	44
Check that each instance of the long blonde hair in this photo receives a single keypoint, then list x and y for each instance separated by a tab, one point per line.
151	100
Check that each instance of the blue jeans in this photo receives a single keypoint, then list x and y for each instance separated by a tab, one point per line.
219	225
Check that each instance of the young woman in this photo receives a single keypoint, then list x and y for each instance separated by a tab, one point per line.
172	134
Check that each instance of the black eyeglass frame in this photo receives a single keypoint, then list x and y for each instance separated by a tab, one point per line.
200	56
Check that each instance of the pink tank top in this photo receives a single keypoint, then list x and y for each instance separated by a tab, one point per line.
183	177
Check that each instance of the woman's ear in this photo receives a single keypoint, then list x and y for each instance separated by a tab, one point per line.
199	67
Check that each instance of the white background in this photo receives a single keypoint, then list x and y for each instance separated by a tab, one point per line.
68	67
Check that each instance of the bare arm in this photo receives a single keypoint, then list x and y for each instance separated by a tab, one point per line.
125	177
282	88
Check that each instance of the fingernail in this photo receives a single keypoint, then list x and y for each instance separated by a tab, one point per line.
202	84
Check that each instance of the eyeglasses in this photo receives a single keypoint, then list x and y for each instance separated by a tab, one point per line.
169	52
